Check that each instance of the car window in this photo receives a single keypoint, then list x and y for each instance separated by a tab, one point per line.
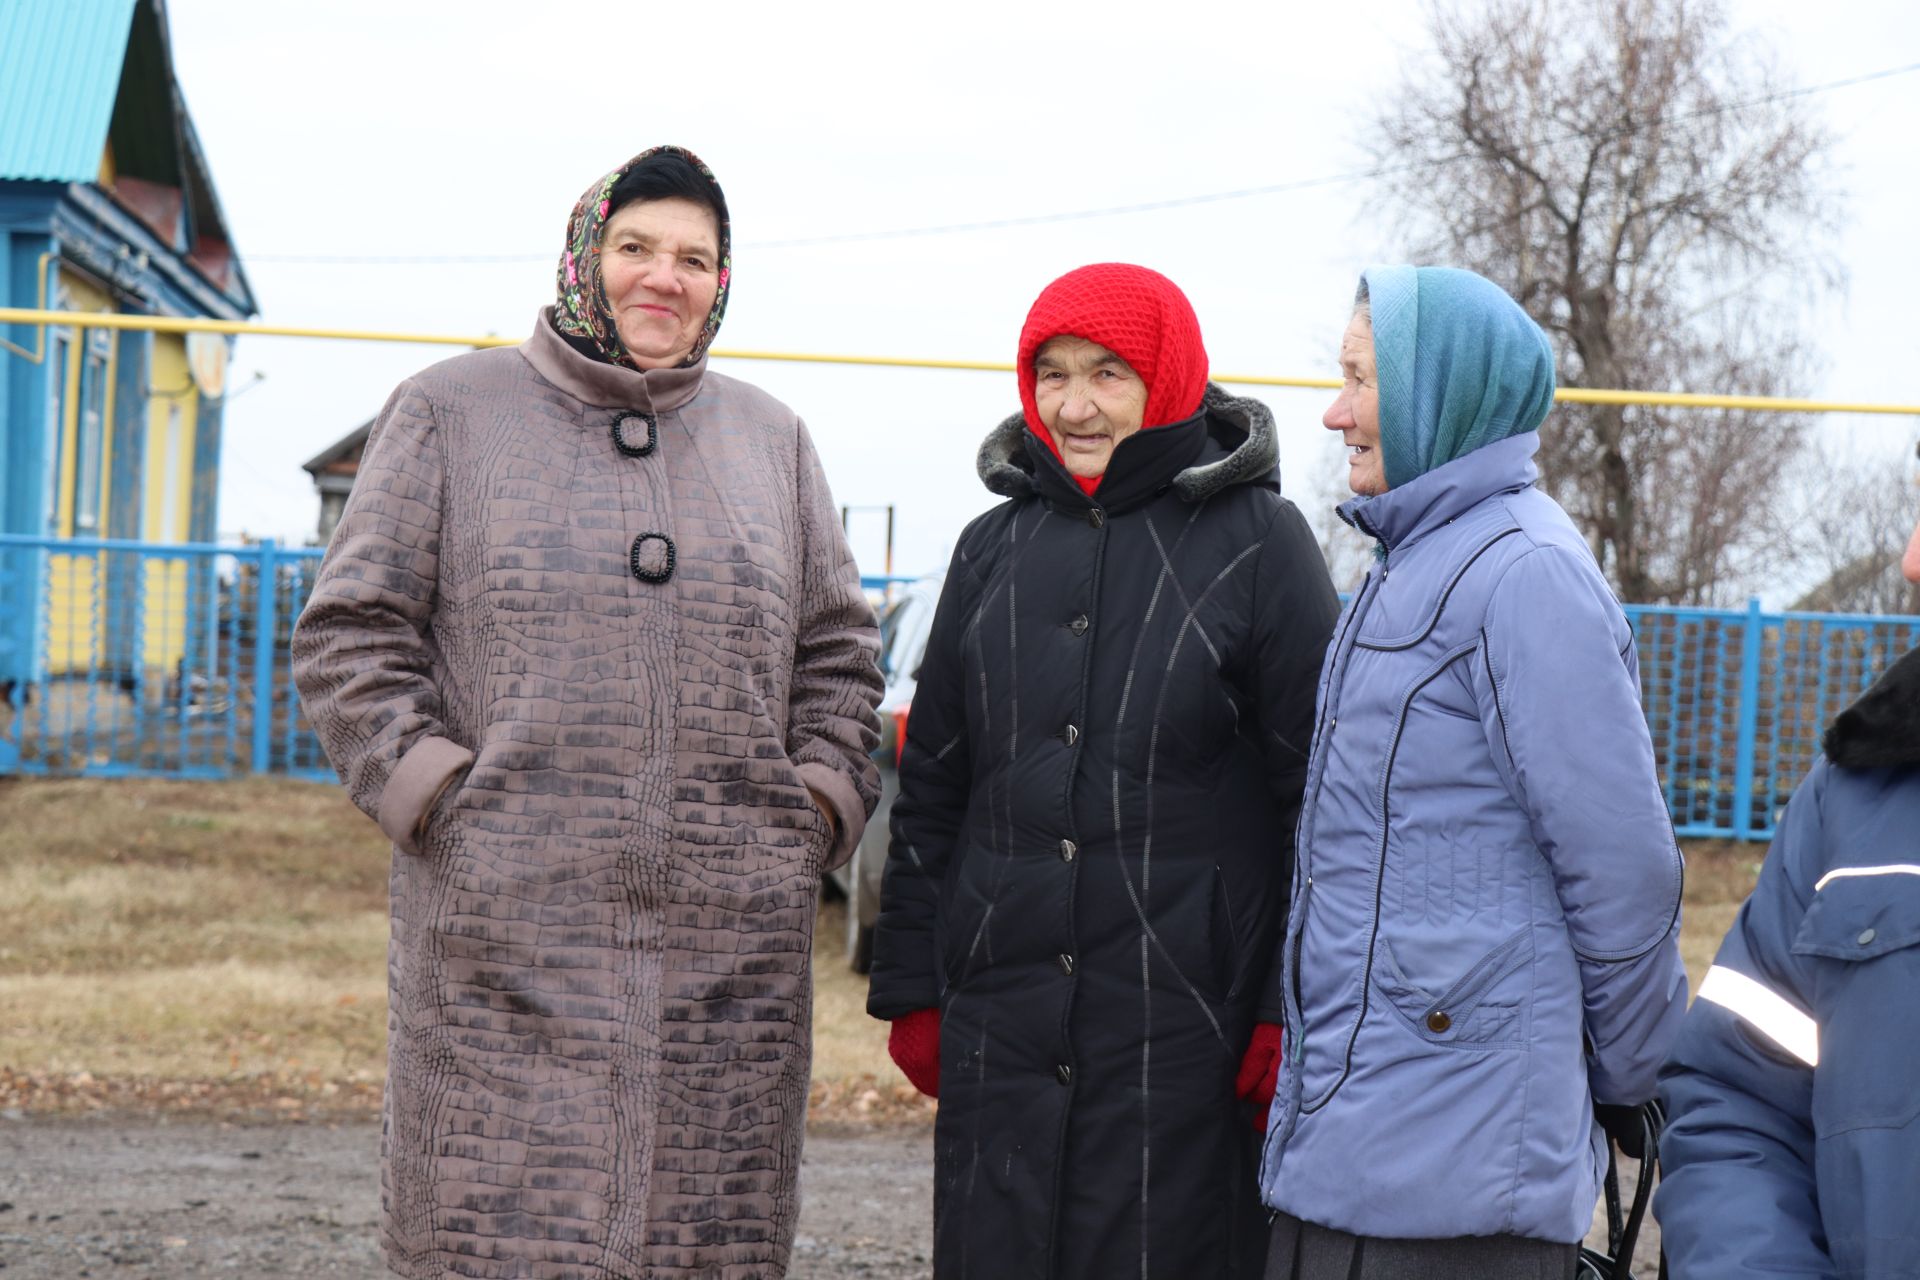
902	620
911	649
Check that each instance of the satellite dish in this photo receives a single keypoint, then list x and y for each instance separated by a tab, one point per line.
207	363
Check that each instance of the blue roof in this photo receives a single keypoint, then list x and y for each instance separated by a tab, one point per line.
60	66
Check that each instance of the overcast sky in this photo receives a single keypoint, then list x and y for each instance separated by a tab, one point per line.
416	129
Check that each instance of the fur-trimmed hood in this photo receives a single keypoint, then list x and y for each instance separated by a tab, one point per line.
1243	426
1882	729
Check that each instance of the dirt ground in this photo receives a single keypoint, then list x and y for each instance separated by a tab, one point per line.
86	1198
193	1198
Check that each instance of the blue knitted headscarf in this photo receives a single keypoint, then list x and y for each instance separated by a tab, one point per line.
1460	366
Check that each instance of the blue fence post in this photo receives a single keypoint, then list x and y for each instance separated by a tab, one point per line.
1750	642
264	617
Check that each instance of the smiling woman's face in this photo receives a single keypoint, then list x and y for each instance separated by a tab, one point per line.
1089	401
660	262
1355	412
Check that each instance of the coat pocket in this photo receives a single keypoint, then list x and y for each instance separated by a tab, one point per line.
1862	934
1471	1012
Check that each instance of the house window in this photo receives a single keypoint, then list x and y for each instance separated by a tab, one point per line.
60	355
90	449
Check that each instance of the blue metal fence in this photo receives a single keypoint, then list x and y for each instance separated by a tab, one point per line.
130	658
1737	701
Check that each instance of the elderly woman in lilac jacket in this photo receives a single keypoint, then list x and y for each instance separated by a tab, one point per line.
1482	945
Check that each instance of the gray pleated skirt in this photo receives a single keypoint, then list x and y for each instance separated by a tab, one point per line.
1303	1251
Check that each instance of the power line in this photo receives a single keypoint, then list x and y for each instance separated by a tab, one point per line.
1108	211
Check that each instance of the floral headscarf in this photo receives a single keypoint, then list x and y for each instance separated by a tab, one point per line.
582	310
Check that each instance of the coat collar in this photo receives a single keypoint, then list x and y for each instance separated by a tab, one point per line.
1232	442
1427	502
603	385
1882	729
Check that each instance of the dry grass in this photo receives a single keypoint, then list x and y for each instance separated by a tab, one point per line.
179	943
158	938
172	931
1720	875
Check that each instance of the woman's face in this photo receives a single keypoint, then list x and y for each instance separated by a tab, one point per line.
1355	412
660	262
1089	401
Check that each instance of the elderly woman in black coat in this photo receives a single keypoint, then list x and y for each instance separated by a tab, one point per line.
1080	916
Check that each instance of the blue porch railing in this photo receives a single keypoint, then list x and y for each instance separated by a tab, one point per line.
129	658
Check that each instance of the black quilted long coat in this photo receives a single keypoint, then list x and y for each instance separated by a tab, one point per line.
1092	846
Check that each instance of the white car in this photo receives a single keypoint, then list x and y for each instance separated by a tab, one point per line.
904	626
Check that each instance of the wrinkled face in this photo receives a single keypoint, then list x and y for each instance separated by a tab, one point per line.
1910	562
1089	401
660	261
1355	412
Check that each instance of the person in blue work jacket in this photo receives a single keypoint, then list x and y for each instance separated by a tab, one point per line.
1793	1099
1482	943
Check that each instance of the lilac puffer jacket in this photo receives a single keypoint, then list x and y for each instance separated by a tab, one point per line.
1483	939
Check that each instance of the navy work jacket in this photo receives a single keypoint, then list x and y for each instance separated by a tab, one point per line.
1792	1147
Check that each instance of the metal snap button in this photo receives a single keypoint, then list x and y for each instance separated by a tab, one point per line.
1067	849
1438	1021
1071	733
654	567
1096	517
1079	625
1066	965
1866	936
620	435
1063	1073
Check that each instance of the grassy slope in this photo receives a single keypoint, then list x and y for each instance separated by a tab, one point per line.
231	936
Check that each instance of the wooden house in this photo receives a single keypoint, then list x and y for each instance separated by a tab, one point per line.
107	204
333	470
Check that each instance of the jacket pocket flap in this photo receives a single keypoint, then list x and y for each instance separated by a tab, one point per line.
1858	913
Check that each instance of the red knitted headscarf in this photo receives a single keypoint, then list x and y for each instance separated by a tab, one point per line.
1140	316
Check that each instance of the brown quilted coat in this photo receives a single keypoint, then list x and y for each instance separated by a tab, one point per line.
606	856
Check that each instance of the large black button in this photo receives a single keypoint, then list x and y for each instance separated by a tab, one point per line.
1067	849
1096	517
648	563
1063	1073
1438	1021
1079	625
620	435
1066	964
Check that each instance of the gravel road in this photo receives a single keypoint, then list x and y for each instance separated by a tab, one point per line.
167	1201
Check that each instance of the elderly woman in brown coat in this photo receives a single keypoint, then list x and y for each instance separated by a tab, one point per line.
590	648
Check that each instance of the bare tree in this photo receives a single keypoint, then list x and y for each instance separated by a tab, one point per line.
1348	552
1857	515
1638	180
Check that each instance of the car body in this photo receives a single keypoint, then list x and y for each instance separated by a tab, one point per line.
905	624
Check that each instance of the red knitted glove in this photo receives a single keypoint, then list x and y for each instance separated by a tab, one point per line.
914	1046
1259	1070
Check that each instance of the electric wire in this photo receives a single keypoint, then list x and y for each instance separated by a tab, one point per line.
1108	211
